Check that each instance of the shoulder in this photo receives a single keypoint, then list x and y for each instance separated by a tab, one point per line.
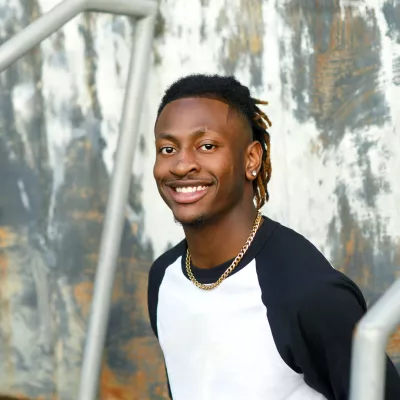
289	259
294	258
300	276
160	265
166	259
290	246
156	276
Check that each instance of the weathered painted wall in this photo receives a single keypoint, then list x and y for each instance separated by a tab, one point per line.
331	71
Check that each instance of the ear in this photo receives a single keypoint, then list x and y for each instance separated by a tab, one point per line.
253	160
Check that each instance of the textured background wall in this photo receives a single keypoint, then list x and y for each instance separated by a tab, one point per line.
331	71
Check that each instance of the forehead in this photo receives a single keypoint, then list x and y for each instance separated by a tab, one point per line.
193	112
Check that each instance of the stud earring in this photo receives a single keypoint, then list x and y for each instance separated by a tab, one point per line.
254	173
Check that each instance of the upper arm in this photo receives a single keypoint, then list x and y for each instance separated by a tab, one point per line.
326	321
156	275
313	310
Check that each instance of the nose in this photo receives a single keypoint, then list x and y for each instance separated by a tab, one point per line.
184	164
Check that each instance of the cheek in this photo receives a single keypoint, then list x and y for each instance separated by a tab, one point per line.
231	172
155	172
158	168
235	166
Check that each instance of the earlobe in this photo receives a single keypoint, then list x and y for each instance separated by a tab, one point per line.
251	175
254	159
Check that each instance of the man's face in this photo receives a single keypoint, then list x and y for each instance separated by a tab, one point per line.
201	160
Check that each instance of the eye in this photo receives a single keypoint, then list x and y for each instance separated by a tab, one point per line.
207	147
167	150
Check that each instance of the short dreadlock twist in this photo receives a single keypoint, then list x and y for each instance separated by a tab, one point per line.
262	123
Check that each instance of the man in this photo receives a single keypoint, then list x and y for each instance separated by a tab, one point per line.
243	308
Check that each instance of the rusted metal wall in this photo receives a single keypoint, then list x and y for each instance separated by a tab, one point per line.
331	71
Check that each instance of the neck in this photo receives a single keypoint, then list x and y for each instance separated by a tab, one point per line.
217	242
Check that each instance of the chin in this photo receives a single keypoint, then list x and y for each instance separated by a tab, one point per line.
190	220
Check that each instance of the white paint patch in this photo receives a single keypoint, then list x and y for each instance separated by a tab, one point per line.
24	195
60	77
23	97
112	52
11	10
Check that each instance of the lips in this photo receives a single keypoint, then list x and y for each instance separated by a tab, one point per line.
187	192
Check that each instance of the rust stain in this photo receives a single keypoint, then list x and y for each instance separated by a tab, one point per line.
83	294
87	216
394	344
394	341
355	243
134	228
337	62
363	251
340	76
350	244
140	296
144	382
7	237
83	192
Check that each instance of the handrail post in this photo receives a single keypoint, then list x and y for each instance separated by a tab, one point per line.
115	214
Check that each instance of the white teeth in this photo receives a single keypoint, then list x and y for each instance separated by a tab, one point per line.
190	189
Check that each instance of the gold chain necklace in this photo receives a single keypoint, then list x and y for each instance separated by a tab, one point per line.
234	264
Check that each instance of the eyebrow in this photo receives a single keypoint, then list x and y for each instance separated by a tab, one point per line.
198	132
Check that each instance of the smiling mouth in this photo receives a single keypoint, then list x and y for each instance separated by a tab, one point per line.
184	194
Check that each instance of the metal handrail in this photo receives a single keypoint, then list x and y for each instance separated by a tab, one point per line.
368	368
20	44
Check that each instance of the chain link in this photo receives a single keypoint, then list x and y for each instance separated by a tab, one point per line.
234	264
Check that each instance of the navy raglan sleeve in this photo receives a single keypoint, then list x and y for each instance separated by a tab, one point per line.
156	275
154	281
322	339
